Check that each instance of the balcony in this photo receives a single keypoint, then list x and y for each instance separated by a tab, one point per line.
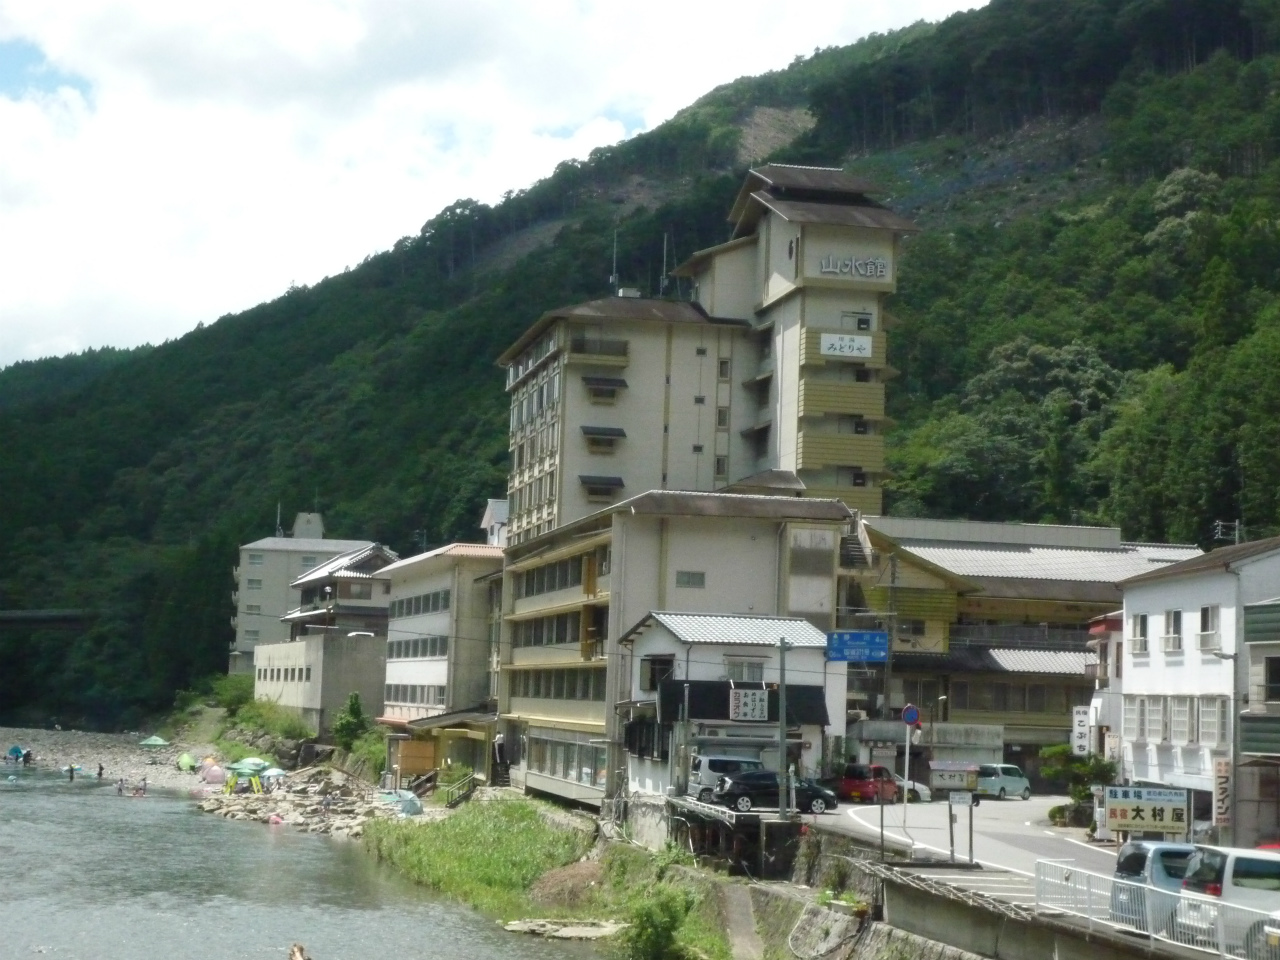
817	450
235	596
818	397
1209	641
235	574
1172	642
1028	636
599	352
1098	673
234	622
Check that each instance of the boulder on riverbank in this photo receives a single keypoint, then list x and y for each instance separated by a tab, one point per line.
567	929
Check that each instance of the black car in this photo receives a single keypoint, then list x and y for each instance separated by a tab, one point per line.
759	788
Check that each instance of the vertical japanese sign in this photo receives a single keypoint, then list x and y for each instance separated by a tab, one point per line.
1143	809
1080	731
750	705
1222	792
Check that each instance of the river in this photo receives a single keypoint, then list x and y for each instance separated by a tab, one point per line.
87	875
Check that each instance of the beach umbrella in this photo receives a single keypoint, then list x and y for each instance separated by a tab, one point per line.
273	772
249	763
186	762
213	774
15	751
153	742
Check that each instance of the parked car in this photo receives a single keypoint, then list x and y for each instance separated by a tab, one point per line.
1002	780
1148	883
866	783
914	791
705	772
1225	877
759	788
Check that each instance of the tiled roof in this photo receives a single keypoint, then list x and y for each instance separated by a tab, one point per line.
742	630
999	660
1032	562
340	563
1220	559
306	545
482	550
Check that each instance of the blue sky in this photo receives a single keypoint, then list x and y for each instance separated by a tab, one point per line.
25	69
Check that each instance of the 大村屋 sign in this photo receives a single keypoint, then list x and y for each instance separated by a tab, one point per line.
844	345
749	705
1154	809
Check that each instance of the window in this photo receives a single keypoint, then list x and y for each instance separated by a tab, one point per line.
1208	636
251	634
1213	721
1271	671
602	444
1173	631
912	628
861	375
722	468
697	448
307	677
653	670
261	671
959	695
745	671
694	579
700	400
308	562
723	368
864	321
1037	698
252	584
1180	719
1155	731
253	608
1130	729
701	351
255	559
722	418
850	477
1138	632
602	395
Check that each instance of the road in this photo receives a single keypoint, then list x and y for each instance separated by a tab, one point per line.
1007	834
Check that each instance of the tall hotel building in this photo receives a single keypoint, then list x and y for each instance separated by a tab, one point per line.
779	363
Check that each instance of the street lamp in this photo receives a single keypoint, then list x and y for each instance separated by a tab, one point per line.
935	709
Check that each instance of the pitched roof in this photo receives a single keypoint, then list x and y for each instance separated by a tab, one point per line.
836	214
736	629
1222	558
340	567
306	545
998	660
480	550
1031	562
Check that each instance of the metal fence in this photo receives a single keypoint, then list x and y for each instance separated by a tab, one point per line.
1186	919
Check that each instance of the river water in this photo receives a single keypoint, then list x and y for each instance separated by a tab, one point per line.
87	875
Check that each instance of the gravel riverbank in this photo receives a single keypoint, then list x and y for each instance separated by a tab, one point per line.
119	753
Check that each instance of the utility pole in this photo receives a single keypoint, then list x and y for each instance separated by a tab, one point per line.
1221	528
784	791
893	632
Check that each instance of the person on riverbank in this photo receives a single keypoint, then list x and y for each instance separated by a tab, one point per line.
71	773
144	786
101	771
325	804
120	787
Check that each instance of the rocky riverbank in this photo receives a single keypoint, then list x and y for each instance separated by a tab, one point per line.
119	754
298	802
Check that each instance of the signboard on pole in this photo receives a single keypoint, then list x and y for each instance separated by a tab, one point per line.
749	705
1222	792
960	798
1080	731
1148	809
858	646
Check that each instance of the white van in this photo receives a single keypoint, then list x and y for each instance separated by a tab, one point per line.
706	770
1218	879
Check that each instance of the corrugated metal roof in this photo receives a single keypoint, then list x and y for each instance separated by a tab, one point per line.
588	480
1032	562
739	629
306	545
481	550
1220	559
998	660
603	431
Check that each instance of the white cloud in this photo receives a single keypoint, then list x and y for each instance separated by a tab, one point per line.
216	153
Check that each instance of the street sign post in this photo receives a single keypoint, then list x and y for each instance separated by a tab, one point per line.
858	646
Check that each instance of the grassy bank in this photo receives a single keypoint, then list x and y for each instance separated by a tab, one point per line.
507	860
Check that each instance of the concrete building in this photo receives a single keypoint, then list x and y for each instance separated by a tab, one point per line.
438	631
779	363
1106	707
715	655
264	576
494	523
570	595
1188	675
1258	800
343	599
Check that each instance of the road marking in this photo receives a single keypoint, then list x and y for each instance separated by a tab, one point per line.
915	843
1089	846
1051	833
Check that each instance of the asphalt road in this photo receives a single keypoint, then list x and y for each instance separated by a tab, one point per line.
1008	834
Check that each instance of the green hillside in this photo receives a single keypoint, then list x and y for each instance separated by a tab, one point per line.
1086	328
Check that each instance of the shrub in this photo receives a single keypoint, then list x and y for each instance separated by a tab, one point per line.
371	747
654	922
233	691
350	723
270	717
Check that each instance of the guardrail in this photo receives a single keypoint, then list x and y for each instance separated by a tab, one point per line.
455	793
1186	919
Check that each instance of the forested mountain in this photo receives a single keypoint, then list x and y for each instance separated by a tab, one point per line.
1088	329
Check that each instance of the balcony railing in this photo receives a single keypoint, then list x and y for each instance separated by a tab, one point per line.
598	348
1026	635
1209	640
1098	672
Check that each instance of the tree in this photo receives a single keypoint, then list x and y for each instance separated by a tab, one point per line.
350	723
1078	773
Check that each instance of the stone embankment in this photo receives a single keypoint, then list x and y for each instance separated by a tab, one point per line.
298	802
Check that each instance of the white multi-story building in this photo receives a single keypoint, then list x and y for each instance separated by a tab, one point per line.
1185	676
264	583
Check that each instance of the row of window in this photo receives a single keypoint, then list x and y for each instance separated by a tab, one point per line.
550	577
428	695
531	357
1203	720
423	603
572	683
575	762
535	398
540	443
285	674
417	648
537	491
1172	637
258	559
547	631
1017	697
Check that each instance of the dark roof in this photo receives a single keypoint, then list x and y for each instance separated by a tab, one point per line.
617	309
604	381
603	431
1073	591
997	660
838	214
767	480
589	481
695	504
480	713
1220	559
709	700
825	179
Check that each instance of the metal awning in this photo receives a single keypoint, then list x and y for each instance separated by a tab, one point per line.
603	431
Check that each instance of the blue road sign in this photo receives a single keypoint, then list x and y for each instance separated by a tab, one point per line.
859	646
911	714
